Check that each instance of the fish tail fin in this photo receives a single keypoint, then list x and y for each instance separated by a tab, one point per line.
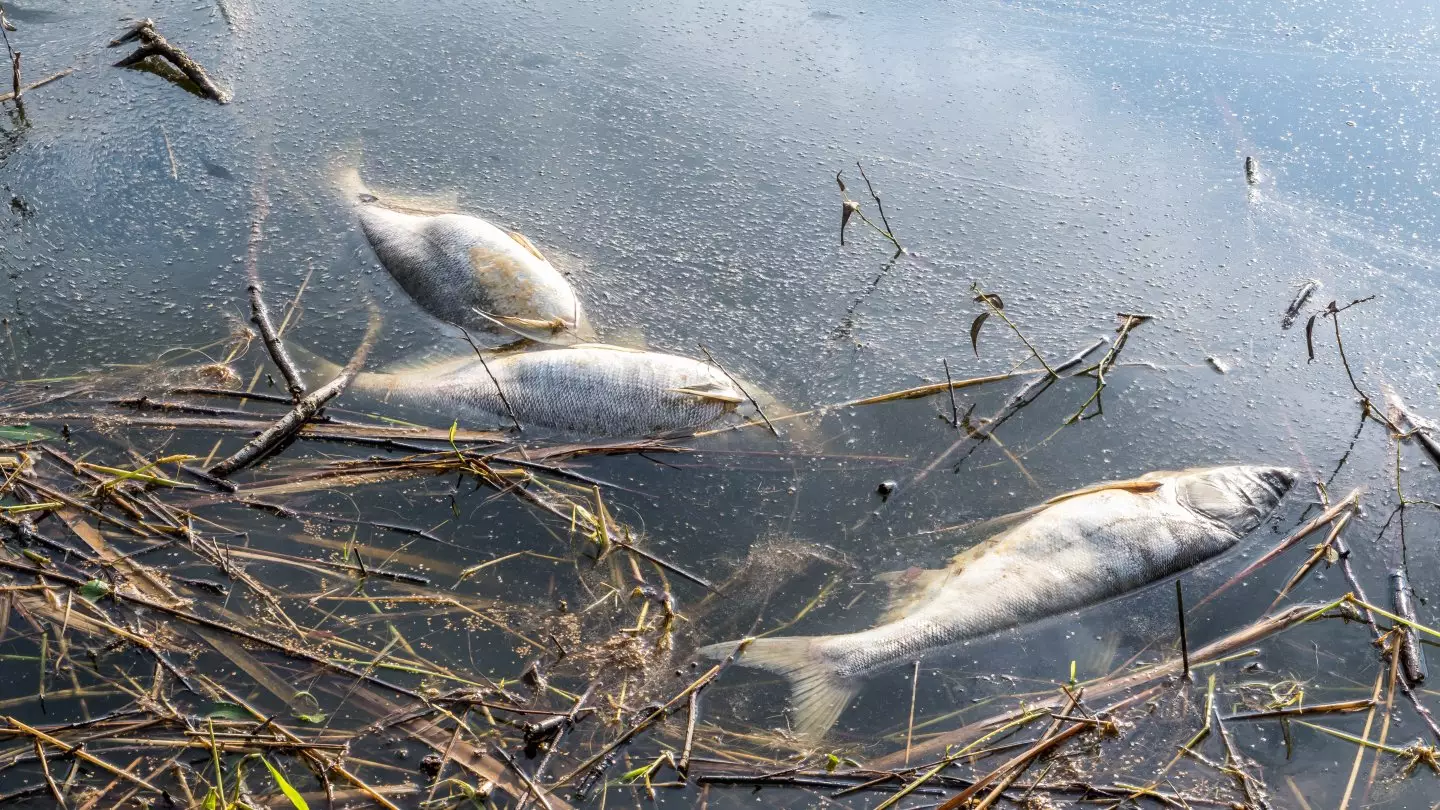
344	176
818	693
346	180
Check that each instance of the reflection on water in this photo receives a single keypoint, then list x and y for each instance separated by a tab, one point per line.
678	161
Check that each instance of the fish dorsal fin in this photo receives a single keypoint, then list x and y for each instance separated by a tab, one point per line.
1136	485
528	245
908	590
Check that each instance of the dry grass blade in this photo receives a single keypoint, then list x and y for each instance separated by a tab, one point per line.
82	754
1235	641
1347	504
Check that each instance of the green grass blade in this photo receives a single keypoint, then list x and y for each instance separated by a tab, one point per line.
289	790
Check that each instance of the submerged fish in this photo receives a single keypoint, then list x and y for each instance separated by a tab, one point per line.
468	272
591	389
1072	552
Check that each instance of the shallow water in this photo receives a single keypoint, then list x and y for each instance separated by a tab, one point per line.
679	160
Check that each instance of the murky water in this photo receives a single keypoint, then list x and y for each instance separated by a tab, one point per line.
679	160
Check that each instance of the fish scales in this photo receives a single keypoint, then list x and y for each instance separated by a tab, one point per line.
591	389
464	270
1071	554
454	264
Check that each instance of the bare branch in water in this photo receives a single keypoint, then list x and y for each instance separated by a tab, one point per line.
280	433
153	44
259	312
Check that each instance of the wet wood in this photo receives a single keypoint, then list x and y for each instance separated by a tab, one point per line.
284	430
16	94
153	44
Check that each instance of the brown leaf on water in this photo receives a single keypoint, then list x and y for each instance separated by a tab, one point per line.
990	298
1310	336
975	331
847	208
1130	320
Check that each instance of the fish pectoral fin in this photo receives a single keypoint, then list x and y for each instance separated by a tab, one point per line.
528	245
818	694
713	393
1137	485
540	331
552	324
908	589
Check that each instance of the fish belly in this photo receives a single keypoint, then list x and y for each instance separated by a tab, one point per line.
452	265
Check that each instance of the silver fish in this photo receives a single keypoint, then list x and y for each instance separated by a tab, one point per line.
590	389
468	272
1072	552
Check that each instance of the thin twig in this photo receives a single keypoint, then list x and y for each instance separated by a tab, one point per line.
27	88
485	365
1184	639
716	363
288	425
259	312
950	386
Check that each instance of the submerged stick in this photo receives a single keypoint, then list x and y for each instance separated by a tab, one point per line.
285	429
259	312
1413	426
1411	656
12	96
1184	640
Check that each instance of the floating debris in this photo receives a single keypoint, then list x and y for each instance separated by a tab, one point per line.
1412	655
153	44
1298	303
886	489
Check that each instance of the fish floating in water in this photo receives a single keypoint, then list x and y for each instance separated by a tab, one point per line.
1072	552
590	389
468	272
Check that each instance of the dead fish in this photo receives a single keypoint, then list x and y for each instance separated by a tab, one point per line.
1298	303
1072	552
468	272
590	389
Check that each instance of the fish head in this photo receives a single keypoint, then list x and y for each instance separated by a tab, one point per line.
1240	497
